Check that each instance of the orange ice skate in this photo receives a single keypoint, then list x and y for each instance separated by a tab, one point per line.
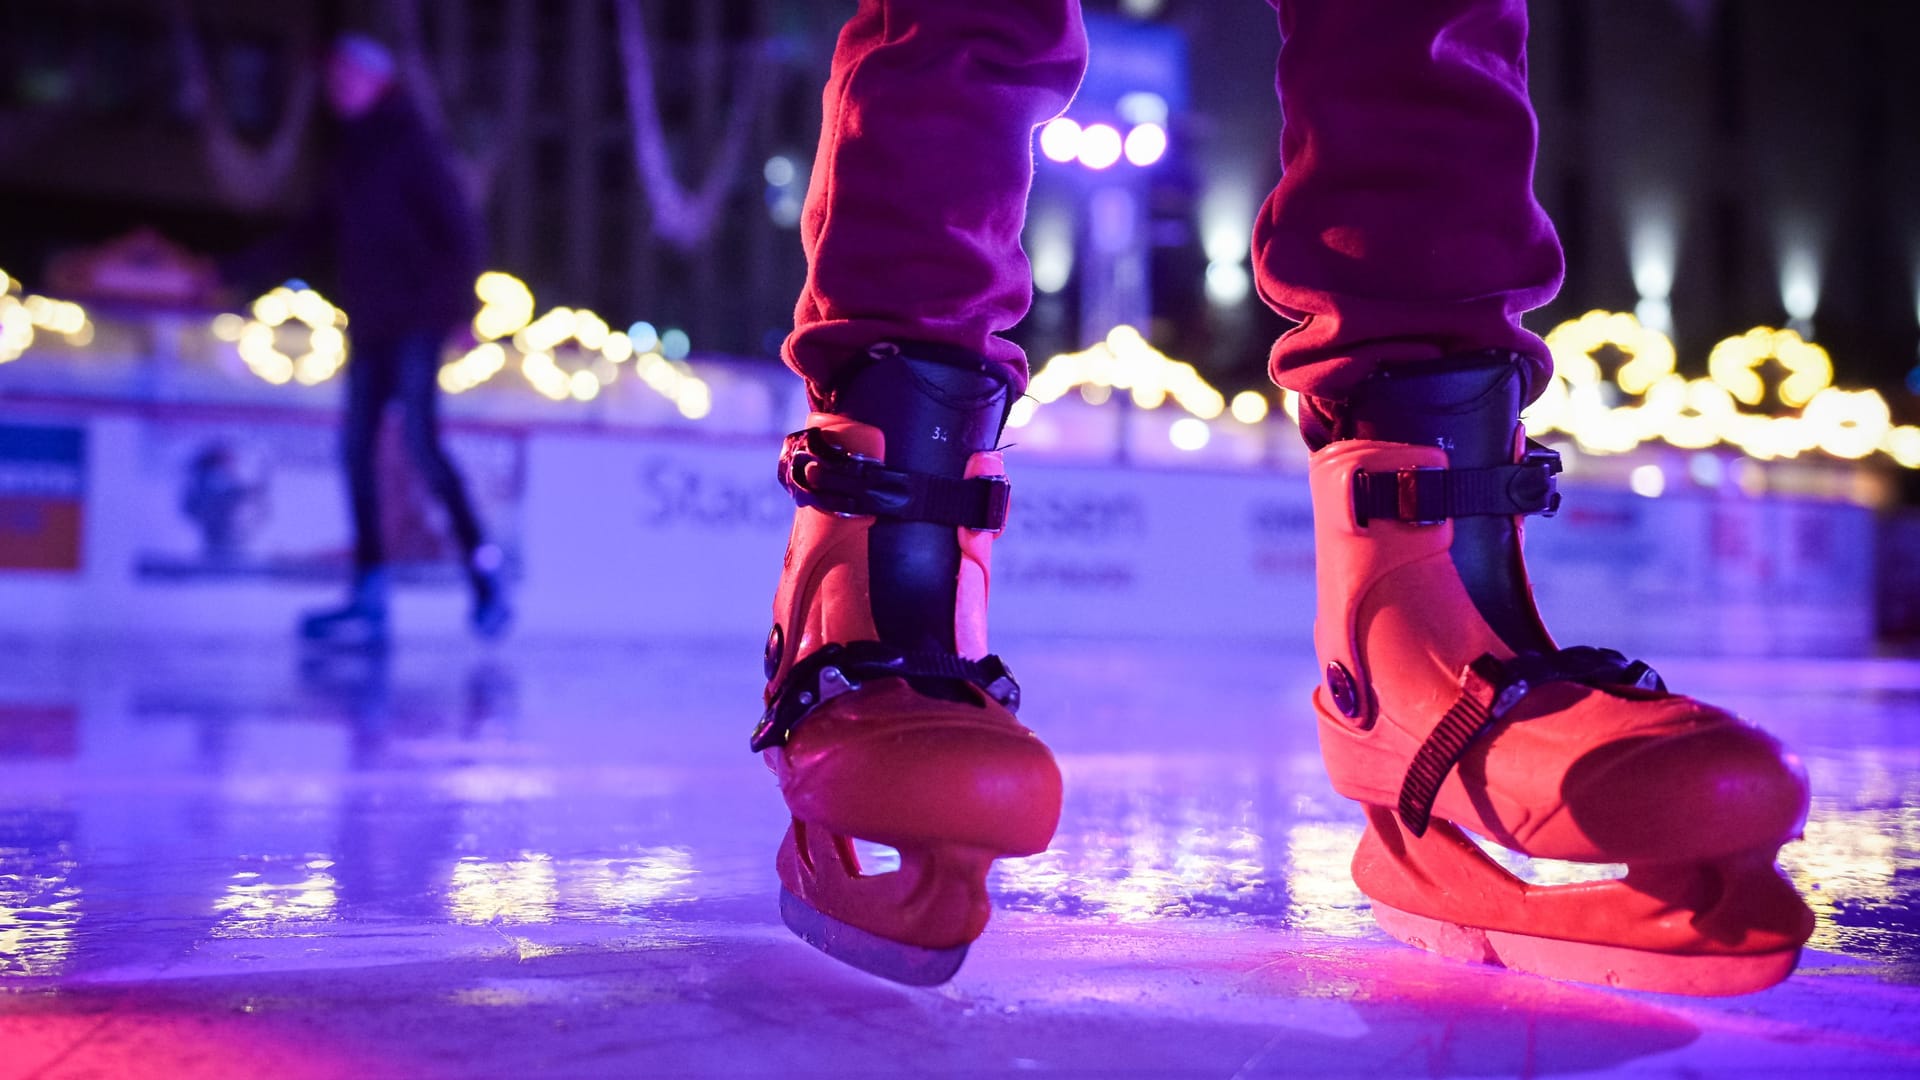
1445	708
886	718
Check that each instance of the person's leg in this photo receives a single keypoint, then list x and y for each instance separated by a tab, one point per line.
370	386
1404	226
1406	235
919	190
885	718
417	366
417	369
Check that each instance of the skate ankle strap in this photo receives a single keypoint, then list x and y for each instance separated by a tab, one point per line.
827	477
833	670
1490	688
1428	495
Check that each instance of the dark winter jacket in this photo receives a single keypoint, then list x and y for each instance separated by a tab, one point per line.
391	237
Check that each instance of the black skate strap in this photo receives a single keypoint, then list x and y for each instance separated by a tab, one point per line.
1428	495
833	670
824	476
1490	688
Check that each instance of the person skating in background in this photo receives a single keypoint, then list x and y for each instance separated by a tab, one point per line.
1405	239
399	244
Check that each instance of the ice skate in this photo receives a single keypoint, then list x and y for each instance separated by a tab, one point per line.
1446	708
491	614
886	719
360	623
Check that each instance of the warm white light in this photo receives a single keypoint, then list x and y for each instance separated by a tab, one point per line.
258	340
1735	361
1060	140
1249	406
1647	480
1146	144
584	385
1100	146
695	400
1903	445
1124	361
1848	424
1189	433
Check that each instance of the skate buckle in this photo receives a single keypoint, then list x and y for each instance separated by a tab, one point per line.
838	481
826	476
1539	475
1430	494
1421	503
833	670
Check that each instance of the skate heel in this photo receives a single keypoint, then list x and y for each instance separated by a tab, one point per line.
1720	927
912	924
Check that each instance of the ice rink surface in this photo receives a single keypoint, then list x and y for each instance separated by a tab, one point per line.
219	858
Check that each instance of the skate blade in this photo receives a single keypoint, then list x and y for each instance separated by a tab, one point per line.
1579	961
910	965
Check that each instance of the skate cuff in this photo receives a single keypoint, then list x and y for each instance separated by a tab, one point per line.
832	670
1490	688
1429	495
826	477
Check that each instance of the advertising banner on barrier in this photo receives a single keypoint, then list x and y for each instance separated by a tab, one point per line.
639	536
236	500
43	488
628	536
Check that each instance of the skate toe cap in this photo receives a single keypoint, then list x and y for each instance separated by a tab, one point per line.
947	772
1720	787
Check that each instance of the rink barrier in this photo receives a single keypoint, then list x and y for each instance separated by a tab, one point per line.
209	521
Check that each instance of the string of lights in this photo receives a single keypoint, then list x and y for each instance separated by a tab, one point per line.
1768	392
1644	400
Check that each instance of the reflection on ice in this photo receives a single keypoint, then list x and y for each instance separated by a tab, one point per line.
259	903
519	890
649	877
1863	828
1146	851
536	887
1321	895
38	913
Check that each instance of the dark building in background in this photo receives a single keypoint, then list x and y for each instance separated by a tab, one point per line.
1714	165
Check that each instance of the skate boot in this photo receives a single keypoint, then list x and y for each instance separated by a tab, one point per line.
1446	708
886	720
491	614
361	623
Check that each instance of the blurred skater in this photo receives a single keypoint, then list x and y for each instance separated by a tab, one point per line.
402	246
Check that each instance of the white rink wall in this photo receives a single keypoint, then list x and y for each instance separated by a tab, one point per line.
203	520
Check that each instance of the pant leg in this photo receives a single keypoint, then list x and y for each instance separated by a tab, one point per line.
1404	226
919	190
418	370
370	385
